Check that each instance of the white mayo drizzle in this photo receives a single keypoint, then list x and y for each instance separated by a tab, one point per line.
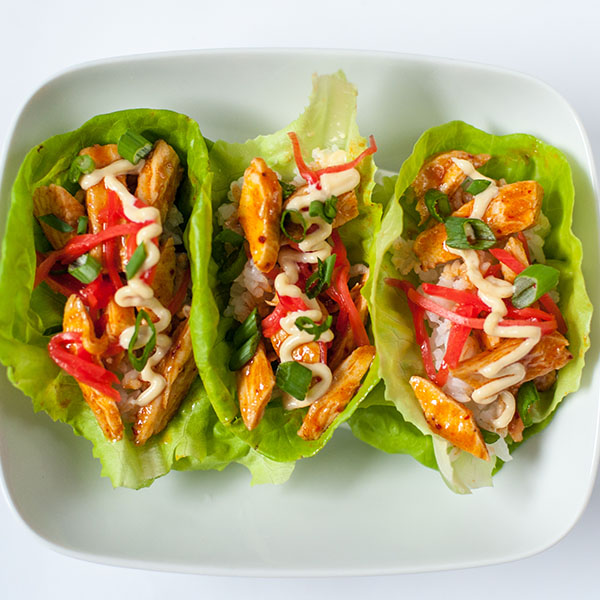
137	293
313	247
506	371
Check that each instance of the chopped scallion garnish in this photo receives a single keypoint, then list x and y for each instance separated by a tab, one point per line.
308	325
321	278
244	353
56	223
81	165
287	189
136	261
489	437
231	262
247	329
477	186
532	283
133	147
526	398
325	210
82	225
437	205
139	362
295	216
294	379
86	268
468	234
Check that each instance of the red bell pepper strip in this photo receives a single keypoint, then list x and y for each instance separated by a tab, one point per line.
313	177
81	244
457	338
459	296
493	270
177	300
418	316
286	304
475	323
546	301
80	365
97	294
521	237
353	163
341	294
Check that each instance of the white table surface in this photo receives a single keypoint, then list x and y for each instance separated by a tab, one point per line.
558	42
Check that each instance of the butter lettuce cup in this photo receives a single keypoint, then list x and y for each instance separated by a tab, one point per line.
96	293
284	250
479	309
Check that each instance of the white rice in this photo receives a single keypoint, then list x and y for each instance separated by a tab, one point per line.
248	290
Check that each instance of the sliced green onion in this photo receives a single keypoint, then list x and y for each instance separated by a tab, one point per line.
136	261
82	225
477	186
466	183
489	437
139	362
232	263
321	278
244	353
133	147
86	268
295	217
468	234
532	283
325	210
39	239
287	189
54	222
294	379
247	329
308	325
527	396
437	205
81	165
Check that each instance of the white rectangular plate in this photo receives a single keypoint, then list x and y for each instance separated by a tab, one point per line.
351	509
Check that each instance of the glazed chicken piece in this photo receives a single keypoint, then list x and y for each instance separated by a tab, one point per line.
179	370
55	200
255	383
346	380
118	318
548	354
448	418
516	248
515	208
77	319
308	353
347	209
164	274
260	213
159	178
442	174
96	196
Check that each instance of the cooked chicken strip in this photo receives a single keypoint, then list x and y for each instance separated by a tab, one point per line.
255	383
442	174
448	418
55	200
164	275
346	380
260	213
77	319
347	209
159	178
516	248
548	354
179	370
515	208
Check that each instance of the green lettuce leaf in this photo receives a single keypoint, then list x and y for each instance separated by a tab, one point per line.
329	120
514	158
194	439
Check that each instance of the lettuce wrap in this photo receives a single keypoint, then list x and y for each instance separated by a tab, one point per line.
328	121
514	158
194	438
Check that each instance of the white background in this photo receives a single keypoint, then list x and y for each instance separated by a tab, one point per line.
558	42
